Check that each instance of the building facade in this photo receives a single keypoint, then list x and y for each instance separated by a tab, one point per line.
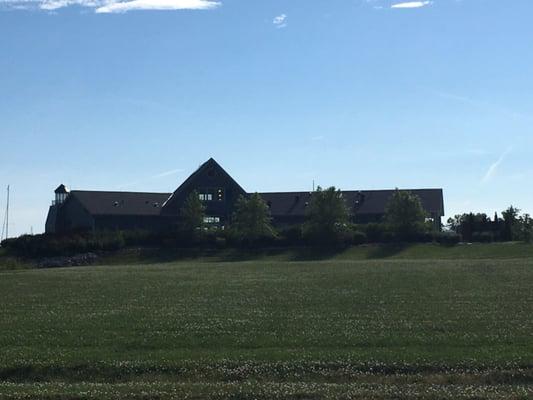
80	210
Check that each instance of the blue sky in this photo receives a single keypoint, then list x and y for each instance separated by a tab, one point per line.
135	94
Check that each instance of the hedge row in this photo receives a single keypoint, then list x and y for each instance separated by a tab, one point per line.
47	245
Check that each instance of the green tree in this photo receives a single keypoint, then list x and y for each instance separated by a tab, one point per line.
526	228
510	223
327	217
192	213
251	221
405	215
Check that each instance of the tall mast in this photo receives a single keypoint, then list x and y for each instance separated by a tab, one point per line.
7	214
5	223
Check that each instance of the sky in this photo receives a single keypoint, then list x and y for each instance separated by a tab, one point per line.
134	95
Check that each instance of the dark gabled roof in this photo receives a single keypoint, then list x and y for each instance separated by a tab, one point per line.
375	201
211	163
120	203
358	202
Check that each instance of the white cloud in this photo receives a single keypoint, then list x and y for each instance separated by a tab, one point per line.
495	166
412	4
280	21
123	6
54	5
167	173
112	6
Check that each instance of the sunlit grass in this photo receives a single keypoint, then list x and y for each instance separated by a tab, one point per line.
337	328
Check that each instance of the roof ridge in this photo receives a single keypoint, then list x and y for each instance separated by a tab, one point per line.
118	191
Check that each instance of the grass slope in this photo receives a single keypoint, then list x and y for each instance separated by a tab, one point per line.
336	328
476	251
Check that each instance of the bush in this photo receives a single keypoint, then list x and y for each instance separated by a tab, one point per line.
339	235
447	238
47	245
290	235
483	237
358	237
375	232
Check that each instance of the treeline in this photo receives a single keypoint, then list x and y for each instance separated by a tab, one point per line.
328	223
478	227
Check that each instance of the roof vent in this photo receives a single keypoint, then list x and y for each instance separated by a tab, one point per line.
115	204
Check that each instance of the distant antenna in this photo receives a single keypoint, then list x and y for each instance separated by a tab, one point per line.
313	185
5	226
7	214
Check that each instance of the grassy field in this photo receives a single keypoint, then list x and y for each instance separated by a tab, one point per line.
446	326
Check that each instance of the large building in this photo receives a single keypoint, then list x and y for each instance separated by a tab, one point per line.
79	210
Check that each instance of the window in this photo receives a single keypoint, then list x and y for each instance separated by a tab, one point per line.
60	198
211	194
205	196
211	220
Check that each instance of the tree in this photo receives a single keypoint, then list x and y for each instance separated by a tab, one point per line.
251	221
405	215
525	228
192	212
327	217
454	223
510	223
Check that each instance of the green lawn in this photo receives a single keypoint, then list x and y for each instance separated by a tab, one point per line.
443	327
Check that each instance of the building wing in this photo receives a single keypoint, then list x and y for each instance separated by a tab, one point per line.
364	202
120	203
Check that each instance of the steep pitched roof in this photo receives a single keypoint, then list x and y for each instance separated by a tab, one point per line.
120	203
211	163
358	202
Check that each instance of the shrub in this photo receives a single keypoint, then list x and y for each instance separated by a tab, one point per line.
447	238
290	235
375	232
483	237
358	237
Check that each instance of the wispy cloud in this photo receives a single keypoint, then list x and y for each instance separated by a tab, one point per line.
111	6
167	173
412	4
280	21
493	169
480	104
